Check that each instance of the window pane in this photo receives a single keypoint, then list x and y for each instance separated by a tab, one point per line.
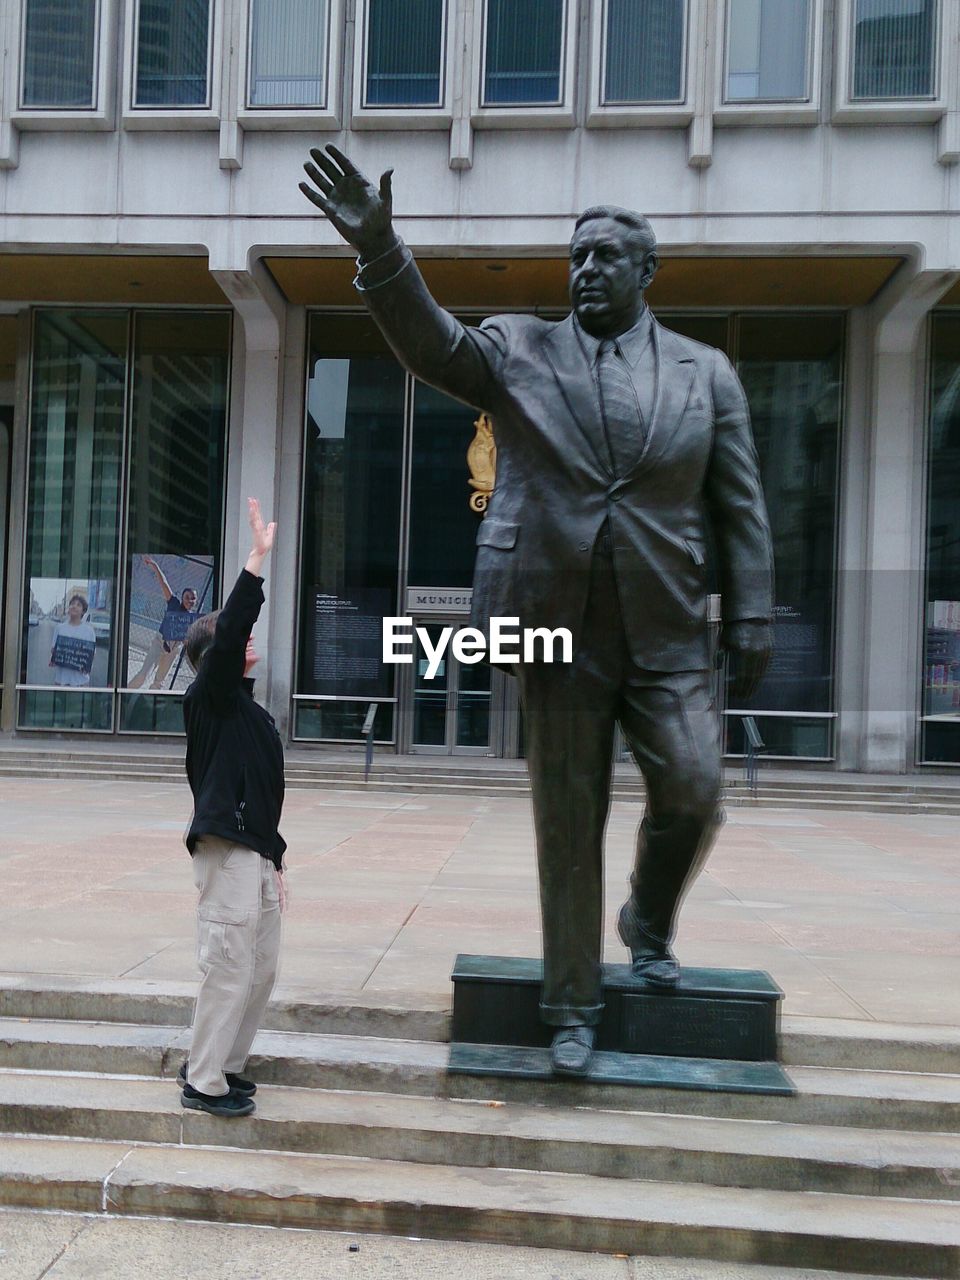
59	53
341	721
440	493
524	51
288	53
941	676
791	369
73	516
404	53
893	49
179	411
172	53
767	44
353	463
800	737
644	51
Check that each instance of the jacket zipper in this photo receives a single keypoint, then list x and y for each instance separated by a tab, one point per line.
242	802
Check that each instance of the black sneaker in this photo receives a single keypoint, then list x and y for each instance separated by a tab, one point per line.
239	1084
228	1104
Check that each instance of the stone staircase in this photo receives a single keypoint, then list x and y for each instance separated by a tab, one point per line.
359	1128
405	775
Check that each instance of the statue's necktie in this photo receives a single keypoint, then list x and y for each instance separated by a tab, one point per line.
622	419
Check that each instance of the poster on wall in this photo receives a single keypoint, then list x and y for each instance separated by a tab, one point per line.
345	640
798	677
167	595
942	665
68	633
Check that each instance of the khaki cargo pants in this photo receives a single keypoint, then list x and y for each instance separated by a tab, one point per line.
238	950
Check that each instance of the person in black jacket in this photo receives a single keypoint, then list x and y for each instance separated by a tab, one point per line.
235	769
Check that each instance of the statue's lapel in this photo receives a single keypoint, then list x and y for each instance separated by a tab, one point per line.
578	387
675	370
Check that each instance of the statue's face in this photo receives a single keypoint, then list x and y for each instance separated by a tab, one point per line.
608	274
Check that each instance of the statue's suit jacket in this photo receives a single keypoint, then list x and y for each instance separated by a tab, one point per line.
555	489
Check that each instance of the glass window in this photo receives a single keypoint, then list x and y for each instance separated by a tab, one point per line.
524	52
443	529
59	53
404	53
78	644
941	670
353	464
791	369
894	46
288	53
643	51
178	435
173	42
73	519
767	44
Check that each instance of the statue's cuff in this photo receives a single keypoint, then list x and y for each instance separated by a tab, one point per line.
382	269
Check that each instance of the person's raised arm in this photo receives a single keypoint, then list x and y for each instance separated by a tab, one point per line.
427	340
224	664
161	578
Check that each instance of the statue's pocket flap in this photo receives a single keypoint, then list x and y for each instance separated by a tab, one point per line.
498	533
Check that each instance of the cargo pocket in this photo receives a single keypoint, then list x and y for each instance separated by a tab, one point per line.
220	935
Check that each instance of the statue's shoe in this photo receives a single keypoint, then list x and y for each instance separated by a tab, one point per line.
652	958
571	1050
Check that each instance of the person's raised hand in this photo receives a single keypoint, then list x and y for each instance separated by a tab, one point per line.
749	643
263	535
361	212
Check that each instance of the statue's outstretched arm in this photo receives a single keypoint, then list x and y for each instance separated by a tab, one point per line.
426	339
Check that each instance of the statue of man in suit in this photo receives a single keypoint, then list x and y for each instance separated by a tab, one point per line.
617	442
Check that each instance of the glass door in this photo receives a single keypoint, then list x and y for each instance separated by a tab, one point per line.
451	706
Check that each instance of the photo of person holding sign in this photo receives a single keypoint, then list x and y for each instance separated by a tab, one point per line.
179	613
74	646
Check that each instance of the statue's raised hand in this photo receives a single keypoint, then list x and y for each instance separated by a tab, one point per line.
359	211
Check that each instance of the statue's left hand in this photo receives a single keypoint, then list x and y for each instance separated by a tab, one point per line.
749	643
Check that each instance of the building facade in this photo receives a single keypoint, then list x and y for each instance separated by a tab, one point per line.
178	329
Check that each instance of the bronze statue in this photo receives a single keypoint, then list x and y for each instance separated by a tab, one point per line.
619	443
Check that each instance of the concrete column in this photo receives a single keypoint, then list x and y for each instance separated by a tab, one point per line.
283	628
893	557
256	404
852	538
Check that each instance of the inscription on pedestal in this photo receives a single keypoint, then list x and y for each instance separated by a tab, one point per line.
691	1027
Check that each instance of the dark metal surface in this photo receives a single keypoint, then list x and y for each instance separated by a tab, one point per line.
644	1071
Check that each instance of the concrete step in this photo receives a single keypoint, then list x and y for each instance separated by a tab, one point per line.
917	1238
387	766
825	1096
37	1243
170	1005
481	781
422	1130
804	1041
403	785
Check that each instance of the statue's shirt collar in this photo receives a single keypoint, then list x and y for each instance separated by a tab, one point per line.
631	344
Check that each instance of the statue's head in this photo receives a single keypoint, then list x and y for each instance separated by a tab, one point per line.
613	258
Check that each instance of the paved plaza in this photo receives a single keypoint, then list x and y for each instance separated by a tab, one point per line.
853	914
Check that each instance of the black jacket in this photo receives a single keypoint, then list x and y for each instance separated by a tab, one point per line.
234	753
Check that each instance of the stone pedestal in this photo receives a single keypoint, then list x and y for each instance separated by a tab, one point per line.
716	1030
